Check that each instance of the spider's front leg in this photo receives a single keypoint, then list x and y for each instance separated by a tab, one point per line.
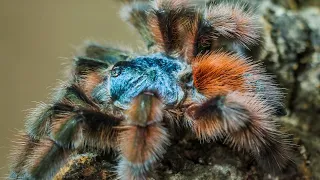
233	107
136	14
230	27
72	123
247	126
74	120
143	138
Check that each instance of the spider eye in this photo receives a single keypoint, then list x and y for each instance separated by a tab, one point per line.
119	67
115	72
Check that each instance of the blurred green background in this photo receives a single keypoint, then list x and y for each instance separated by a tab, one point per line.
36	38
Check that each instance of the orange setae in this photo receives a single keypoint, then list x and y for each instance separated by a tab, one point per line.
219	73
140	145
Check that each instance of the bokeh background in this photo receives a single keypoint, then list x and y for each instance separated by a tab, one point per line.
36	38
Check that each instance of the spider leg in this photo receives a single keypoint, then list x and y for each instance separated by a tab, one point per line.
232	21
247	124
219	73
180	30
161	23
143	139
136	14
73	121
107	54
224	26
261	135
93	127
46	158
41	158
22	148
90	66
235	106
167	22
73	109
89	73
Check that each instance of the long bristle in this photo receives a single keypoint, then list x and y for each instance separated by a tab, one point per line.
145	109
45	159
205	120
22	148
166	21
109	54
142	145
198	38
219	73
90	81
142	140
217	117
136	14
261	136
263	85
65	129
232	21
246	121
37	124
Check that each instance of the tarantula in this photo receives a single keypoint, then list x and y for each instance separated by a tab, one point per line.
197	73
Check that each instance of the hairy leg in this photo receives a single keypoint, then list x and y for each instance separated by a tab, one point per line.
228	27
136	14
73	121
179	29
239	103
246	123
143	139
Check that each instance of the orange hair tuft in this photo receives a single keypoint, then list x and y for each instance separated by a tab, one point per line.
219	73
